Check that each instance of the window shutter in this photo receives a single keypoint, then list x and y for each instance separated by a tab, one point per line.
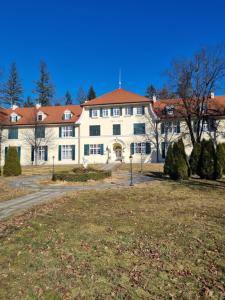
148	148
90	113
132	111
100	112
86	149
43	132
132	148
60	131
178	126
46	153
121	111
19	152
73	133
59	152
6	150
162	128
143	110
101	149
111	109
32	153
163	149
73	152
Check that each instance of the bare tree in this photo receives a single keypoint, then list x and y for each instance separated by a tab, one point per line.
36	136
194	80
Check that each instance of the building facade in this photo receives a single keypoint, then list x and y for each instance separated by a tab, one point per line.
107	129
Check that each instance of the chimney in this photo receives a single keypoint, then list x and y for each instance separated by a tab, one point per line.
212	95
38	105
14	107
154	98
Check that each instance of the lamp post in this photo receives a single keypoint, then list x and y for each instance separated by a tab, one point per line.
131	171
53	166
141	161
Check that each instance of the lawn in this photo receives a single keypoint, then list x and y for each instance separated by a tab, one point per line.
7	192
161	240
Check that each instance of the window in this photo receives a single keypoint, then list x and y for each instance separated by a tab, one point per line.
128	111
139	110
94	113
105	112
116	129
40	153
40	132
169	110
14	118
67	115
170	127
67	131
67	152
116	111
95	149
40	116
140	148
13	133
139	128
94	130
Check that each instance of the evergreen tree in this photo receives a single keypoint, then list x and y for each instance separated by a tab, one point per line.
169	160
220	160
81	96
12	164
207	161
91	93
12	89
179	168
68	97
194	158
151	91
44	88
28	102
182	151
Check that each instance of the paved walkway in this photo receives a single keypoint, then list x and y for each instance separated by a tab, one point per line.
40	193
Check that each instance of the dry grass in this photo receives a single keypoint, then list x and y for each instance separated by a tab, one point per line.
7	192
161	240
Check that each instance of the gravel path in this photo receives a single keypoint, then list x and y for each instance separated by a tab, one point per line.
42	193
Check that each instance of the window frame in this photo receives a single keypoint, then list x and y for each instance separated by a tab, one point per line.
94	149
91	127
103	112
116	126
67	115
66	152
116	109
13	129
40	152
137	110
127	108
65	130
140	148
135	129
94	113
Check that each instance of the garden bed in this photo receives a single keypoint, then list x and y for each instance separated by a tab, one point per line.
81	175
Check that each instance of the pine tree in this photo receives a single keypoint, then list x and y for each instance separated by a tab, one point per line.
28	102
12	89
151	91
68	97
220	160
81	96
91	93
194	158
207	161
182	151
12	164
179	168
44	88
169	160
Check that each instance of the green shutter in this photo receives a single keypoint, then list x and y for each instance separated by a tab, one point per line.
100	112
162	128
86	149
111	110
73	152
60	131
101	149
6	150
121	111
90	113
19	152
59	152
32	153
132	110
163	149
143	110
148	148
178	126
132	148
73	133
46	153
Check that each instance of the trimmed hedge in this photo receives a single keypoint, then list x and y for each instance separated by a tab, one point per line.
81	175
12	165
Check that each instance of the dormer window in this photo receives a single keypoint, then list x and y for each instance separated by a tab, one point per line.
13	118
169	110
40	116
67	115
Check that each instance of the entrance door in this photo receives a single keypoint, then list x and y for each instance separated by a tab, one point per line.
118	152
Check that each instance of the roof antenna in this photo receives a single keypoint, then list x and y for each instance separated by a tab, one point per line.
120	80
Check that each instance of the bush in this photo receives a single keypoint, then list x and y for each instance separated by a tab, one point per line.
180	144
169	160
194	158
81	175
207	161
179	168
12	164
220	160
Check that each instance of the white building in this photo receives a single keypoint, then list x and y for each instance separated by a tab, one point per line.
106	129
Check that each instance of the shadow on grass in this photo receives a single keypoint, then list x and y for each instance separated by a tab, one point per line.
192	182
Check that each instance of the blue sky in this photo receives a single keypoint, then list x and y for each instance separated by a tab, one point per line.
86	42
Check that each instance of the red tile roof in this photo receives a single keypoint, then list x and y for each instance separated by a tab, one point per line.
118	96
54	114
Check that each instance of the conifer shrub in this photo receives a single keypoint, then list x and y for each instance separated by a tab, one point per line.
169	160
12	165
182	151
194	158
207	161
179	168
220	160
